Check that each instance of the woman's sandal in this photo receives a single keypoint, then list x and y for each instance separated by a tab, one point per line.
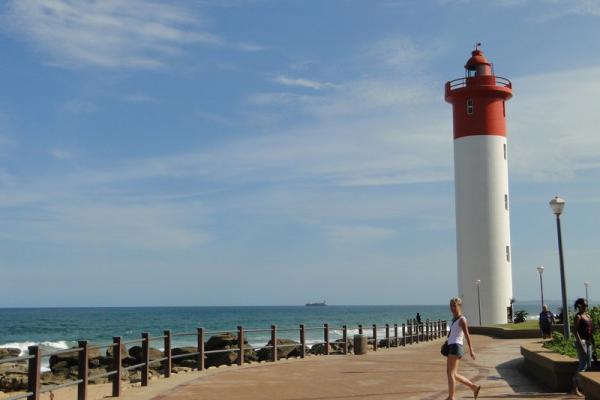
476	392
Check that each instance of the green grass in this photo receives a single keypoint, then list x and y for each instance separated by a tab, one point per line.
530	324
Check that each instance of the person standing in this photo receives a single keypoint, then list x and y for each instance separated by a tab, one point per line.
584	341
459	331
546	321
418	318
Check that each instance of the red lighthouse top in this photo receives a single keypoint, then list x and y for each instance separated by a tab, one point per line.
478	98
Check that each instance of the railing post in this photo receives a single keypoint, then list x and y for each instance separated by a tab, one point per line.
145	358
274	341
168	362
387	335
326	338
116	378
33	373
345	338
302	341
360	329
241	345
396	344
418	332
82	371
200	339
404	335
374	337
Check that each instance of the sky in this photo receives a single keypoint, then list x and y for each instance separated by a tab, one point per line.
274	152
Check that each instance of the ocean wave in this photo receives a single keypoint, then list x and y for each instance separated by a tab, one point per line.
45	347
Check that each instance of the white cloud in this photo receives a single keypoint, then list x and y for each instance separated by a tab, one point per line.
111	34
358	234
300	82
61	153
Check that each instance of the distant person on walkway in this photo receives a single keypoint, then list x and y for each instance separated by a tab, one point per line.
584	340
418	318
546	322
459	330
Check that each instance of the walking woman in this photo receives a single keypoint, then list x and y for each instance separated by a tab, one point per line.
584	340
458	332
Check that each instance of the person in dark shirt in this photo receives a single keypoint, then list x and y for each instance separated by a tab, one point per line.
418	318
546	322
584	340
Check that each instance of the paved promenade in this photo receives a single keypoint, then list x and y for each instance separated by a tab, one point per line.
414	372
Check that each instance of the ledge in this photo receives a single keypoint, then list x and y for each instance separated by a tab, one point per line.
590	383
502	333
553	370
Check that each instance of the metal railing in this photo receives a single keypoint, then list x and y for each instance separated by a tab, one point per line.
462	82
403	334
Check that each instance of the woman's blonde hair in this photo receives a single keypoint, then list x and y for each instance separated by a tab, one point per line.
456	301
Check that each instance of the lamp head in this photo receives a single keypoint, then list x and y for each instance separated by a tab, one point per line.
557	204
540	269
477	282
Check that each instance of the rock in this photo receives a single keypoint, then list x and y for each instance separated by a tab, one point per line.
51	378
266	354
97	371
338	346
9	352
319	348
178	370
136	353
124	353
13	379
190	361
223	342
72	359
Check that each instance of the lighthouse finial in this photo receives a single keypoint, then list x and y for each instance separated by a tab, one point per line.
477	45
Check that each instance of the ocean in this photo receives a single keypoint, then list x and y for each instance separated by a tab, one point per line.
60	328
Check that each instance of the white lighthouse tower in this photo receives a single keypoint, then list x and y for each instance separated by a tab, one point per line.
481	190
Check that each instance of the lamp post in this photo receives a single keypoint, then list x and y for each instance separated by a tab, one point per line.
557	204
540	269
587	299
477	282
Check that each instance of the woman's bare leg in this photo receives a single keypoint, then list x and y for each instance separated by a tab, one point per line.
465	381
451	367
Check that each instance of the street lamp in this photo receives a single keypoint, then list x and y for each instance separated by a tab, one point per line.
587	300
557	204
540	269
477	282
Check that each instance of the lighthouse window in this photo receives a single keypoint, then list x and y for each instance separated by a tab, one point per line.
470	106
504	108
506	202
507	253
505	151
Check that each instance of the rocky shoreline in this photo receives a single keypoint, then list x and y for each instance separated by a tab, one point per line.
64	367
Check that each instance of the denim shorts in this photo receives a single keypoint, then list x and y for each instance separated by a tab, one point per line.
456	349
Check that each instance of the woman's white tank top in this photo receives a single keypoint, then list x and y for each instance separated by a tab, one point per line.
456	332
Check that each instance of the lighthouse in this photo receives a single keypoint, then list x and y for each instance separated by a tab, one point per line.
481	190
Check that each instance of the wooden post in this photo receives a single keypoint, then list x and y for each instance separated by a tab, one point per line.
200	344
345	338
33	373
374	337
418	332
387	335
116	378
404	335
302	341
396	344
145	358
82	371
167	345
274	342
326	338
360	329
241	345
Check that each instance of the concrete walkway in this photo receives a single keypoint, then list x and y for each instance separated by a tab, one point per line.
414	372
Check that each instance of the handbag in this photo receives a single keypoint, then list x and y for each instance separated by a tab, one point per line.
445	347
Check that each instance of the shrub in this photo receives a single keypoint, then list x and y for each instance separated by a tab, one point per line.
520	316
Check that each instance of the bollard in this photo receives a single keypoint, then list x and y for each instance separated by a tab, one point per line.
240	345
302	341
274	342
374	337
403	335
82	371
345	338
33	373
360	344
360	329
168	363
200	340
116	378
387	335
145	358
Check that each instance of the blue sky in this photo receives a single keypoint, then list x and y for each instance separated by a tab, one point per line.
275	152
